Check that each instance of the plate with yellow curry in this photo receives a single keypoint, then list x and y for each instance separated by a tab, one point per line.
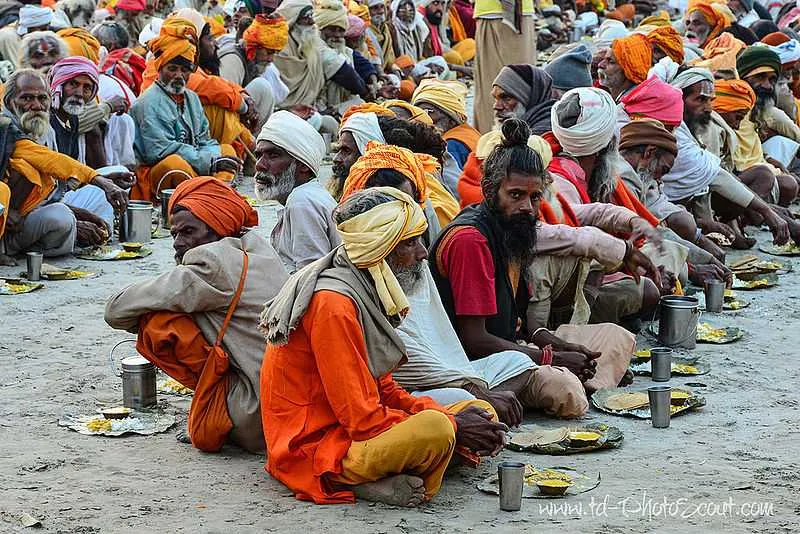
680	367
546	482
635	403
107	253
566	439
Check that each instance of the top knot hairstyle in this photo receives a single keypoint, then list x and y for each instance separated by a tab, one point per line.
512	155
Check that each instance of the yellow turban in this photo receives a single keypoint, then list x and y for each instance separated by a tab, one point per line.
635	55
417	114
81	43
453	58
217	28
368	238
449	96
177	38
271	33
366	107
669	41
330	13
466	49
733	95
379	156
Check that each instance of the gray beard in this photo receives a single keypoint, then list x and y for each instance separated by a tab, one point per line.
275	186
34	123
73	106
601	182
409	278
338	45
175	87
517	113
307	39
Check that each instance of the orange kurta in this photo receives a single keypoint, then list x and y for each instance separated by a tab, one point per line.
318	396
41	167
469	183
174	343
5	203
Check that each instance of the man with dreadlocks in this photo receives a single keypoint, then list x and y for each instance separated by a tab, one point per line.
479	265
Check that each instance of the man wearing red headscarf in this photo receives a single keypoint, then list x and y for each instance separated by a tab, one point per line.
197	321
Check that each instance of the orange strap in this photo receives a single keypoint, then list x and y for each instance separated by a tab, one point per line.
235	301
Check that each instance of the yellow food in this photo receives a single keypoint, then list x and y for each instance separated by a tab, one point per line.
645	353
553	483
584	436
175	387
683	368
757	283
678	397
707	332
627	401
734	305
534	476
99	425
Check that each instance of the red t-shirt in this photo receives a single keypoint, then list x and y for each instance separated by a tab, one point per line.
465	259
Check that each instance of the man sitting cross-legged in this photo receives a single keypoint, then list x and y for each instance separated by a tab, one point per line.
336	424
197	321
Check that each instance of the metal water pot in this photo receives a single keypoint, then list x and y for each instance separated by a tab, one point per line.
677	325
136	223
164	196
138	380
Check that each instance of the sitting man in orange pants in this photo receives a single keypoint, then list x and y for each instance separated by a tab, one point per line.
172	139
197	321
336	423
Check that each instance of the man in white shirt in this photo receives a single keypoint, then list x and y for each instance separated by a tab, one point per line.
290	152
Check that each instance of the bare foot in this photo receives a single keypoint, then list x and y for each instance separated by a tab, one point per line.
398	490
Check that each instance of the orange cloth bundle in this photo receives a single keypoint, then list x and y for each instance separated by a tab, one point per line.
271	33
402	160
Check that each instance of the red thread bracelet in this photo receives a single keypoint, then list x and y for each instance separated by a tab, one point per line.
547	355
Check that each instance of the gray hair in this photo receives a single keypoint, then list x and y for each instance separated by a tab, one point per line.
358	203
111	34
31	39
12	82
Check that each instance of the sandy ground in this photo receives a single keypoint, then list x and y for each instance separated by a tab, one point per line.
731	467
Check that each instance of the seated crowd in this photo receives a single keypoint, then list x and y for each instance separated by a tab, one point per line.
465	264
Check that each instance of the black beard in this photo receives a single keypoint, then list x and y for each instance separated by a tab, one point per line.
434	18
698	123
519	236
210	65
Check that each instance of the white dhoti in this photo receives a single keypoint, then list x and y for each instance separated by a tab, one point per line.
93	199
781	149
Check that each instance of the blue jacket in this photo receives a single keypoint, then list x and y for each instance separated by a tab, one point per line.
163	129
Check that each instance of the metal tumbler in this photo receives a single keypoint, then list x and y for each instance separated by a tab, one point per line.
511	476
715	295
660	402
34	265
661	364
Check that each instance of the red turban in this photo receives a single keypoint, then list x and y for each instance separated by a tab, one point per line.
635	55
219	206
775	38
655	99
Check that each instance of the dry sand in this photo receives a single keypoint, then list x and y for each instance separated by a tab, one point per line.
731	467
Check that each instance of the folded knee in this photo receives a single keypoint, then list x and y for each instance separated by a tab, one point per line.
559	392
434	429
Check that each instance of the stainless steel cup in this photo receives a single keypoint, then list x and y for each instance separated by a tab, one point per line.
34	265
715	295
511	476
661	364
660	401
164	196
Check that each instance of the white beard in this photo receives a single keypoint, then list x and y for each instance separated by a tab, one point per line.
175	87
517	113
338	45
34	123
275	186
308	39
73	105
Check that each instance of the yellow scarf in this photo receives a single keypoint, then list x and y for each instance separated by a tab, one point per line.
371	236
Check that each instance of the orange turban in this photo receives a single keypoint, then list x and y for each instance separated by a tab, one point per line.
215	203
177	38
775	38
716	18
417	114
81	43
733	95
407	88
635	55
366	107
377	156
271	33
404	62
669	41
216	27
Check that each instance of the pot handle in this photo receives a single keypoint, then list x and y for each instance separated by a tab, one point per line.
115	370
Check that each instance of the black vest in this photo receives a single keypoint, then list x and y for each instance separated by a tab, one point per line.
510	307
67	139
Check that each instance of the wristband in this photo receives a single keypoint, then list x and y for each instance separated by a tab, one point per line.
547	355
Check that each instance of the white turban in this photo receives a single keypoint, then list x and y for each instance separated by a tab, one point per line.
365	128
692	76
295	136
376	3
665	69
596	124
151	30
609	30
789	51
33	16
